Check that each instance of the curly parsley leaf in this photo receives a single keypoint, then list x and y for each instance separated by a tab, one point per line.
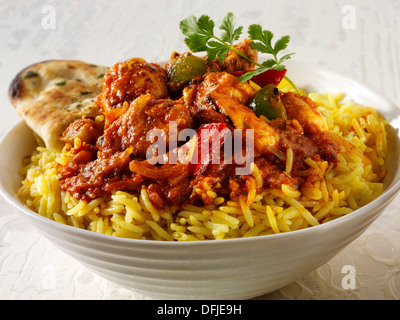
228	25
203	26
282	43
285	57
197	31
216	50
248	75
200	35
262	42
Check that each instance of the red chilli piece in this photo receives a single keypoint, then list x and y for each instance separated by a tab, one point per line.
207	133
268	77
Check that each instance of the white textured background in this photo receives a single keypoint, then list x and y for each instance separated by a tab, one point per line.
107	31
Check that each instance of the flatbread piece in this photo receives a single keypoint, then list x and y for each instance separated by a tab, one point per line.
52	94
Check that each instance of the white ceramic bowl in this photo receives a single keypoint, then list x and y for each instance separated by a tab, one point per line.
227	269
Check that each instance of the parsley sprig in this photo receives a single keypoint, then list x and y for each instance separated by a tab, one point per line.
200	37
262	42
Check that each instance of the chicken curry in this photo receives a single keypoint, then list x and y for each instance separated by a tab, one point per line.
192	93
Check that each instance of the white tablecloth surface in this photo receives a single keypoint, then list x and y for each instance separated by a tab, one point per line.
359	38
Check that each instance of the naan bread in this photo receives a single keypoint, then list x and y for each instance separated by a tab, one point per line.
50	95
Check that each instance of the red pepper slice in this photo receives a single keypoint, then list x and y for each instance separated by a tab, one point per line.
270	76
208	133
237	73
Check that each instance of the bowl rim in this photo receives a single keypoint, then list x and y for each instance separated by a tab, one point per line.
387	195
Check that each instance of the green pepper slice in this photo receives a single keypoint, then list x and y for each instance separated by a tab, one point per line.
267	102
186	68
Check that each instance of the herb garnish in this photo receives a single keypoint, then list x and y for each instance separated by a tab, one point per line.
200	37
61	83
31	74
262	42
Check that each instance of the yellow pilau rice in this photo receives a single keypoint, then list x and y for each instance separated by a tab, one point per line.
334	193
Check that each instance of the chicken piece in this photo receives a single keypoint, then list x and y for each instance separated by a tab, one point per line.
305	111
314	123
234	62
265	137
224	92
132	129
225	84
87	130
126	81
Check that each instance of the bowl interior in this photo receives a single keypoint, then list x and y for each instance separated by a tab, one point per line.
19	142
